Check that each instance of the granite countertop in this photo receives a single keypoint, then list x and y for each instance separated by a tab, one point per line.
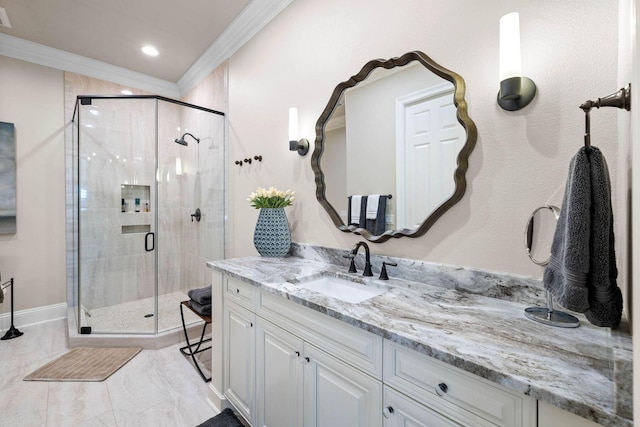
585	370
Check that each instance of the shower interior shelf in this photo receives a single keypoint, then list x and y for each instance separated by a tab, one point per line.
135	208
135	198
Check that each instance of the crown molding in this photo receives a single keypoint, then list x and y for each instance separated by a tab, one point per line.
247	24
36	53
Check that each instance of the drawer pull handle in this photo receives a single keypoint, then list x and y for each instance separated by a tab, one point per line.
441	389
388	411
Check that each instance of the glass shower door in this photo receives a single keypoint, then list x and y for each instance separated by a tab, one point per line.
117	145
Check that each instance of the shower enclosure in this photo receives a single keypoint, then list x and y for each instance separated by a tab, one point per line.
145	211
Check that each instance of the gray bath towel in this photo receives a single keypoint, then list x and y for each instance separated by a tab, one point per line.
201	295
204	309
582	272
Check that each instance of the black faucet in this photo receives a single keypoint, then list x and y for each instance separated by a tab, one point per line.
367	259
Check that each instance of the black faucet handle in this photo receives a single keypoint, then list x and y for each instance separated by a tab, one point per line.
367	270
383	273
352	264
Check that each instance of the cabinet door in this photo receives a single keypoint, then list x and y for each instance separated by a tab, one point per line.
278	377
402	411
240	358
335	394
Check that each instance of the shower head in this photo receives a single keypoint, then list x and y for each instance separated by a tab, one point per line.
181	141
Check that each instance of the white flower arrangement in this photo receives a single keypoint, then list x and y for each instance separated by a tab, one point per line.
271	198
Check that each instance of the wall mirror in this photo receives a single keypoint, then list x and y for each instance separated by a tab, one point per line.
392	148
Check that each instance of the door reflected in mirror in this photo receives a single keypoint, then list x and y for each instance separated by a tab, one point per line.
398	129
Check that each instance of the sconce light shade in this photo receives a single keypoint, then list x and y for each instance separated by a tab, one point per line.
295	143
293	124
516	91
178	166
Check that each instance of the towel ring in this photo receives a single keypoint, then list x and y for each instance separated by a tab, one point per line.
529	229
546	315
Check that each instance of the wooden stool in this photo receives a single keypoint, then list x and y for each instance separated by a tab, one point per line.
193	349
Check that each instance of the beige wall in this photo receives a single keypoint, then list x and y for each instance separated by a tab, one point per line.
32	98
521	158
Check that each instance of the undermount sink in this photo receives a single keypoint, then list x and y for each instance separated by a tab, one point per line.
341	289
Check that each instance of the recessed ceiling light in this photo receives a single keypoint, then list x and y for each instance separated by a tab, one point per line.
126	92
149	50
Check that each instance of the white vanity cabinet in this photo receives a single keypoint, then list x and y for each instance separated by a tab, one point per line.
286	365
239	342
336	394
466	399
278	376
301	385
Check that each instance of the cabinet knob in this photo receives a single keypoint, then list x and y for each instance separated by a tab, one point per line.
388	411
296	354
237	291
441	389
306	360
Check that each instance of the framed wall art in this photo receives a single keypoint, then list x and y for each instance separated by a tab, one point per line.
7	179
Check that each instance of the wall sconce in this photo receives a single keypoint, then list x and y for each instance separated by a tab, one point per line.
301	145
516	91
178	166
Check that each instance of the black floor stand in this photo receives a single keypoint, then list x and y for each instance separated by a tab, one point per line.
12	332
193	349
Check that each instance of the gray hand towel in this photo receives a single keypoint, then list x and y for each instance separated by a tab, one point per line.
605	298
201	295
582	272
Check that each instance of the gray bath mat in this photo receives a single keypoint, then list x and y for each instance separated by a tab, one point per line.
225	418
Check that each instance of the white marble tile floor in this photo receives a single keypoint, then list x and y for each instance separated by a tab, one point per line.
156	388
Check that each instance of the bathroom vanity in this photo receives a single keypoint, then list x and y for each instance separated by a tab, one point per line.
413	351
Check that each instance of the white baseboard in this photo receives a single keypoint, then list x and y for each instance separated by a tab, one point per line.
216	400
32	316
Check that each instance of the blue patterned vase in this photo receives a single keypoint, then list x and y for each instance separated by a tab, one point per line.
272	237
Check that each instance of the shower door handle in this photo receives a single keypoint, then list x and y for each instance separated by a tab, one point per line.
148	247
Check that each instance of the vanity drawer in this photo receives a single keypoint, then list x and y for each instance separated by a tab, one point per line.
240	292
458	394
357	347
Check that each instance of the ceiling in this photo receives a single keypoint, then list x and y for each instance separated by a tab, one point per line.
113	31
